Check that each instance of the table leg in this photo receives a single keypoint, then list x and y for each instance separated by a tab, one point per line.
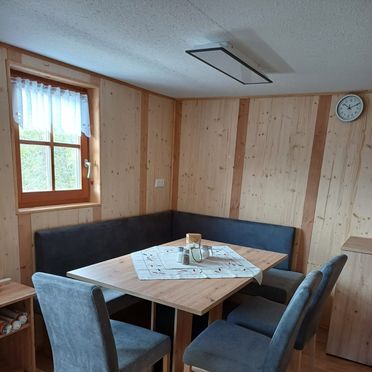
215	313
153	316
182	337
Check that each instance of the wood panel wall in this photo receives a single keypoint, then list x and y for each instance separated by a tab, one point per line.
117	175
344	205
208	135
159	153
301	167
284	160
9	247
277	158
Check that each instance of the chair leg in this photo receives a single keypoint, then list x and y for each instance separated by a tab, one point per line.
310	348
187	368
295	362
166	363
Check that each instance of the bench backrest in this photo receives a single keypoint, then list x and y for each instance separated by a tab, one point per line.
62	249
59	250
251	234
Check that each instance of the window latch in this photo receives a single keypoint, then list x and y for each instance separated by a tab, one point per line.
87	165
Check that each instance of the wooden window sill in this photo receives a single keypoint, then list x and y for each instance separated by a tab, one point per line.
49	208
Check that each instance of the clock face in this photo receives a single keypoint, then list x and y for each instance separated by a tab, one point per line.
349	107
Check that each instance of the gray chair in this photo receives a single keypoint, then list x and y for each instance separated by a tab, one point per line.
227	347
116	301
82	336
262	315
277	285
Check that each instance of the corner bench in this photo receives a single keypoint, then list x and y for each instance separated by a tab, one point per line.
62	249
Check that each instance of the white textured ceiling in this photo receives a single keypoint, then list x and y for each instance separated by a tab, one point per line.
302	45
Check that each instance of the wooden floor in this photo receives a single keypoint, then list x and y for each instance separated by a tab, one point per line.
328	363
324	362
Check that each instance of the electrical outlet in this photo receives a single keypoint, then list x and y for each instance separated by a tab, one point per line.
159	182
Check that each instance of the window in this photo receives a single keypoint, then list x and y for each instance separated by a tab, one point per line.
52	131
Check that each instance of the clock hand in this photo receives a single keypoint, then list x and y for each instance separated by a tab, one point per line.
355	105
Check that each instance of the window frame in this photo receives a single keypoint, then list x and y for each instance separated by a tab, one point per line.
53	197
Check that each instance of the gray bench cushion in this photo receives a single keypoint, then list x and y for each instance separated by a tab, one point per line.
116	301
277	285
247	233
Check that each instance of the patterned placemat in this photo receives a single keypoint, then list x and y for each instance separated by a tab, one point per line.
160	262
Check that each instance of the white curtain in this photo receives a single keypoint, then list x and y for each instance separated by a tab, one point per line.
38	107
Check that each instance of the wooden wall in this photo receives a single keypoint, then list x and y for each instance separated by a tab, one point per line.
134	125
344	205
282	160
208	135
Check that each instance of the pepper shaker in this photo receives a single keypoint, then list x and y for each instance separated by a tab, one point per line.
186	257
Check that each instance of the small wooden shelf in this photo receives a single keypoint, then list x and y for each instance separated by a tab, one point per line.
17	348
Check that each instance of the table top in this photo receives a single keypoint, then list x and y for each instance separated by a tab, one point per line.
196	296
14	292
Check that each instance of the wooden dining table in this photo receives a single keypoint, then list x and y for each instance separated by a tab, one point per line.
188	296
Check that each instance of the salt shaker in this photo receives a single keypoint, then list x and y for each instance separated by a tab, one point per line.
180	254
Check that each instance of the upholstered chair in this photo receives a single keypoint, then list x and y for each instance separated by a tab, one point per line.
82	336
227	347
277	285
262	315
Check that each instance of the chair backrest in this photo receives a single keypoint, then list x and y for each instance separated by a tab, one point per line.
282	342
78	324
331	270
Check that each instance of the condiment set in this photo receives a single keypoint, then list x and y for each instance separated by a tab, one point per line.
194	252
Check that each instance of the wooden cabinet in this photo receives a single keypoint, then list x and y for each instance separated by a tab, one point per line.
350	333
17	350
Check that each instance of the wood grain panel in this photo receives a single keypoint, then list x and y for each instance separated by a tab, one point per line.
338	186
159	152
96	214
94	143
176	152
9	244
208	134
277	158
120	150
143	152
361	216
241	136
48	220
26	254
55	69
313	181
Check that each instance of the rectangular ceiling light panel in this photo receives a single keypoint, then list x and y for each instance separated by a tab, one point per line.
230	64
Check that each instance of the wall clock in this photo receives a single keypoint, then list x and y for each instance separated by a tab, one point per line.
349	107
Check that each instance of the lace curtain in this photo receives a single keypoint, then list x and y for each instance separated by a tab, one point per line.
37	106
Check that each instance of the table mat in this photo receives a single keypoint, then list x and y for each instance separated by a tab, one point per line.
160	262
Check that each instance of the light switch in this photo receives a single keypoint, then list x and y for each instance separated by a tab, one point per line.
159	182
